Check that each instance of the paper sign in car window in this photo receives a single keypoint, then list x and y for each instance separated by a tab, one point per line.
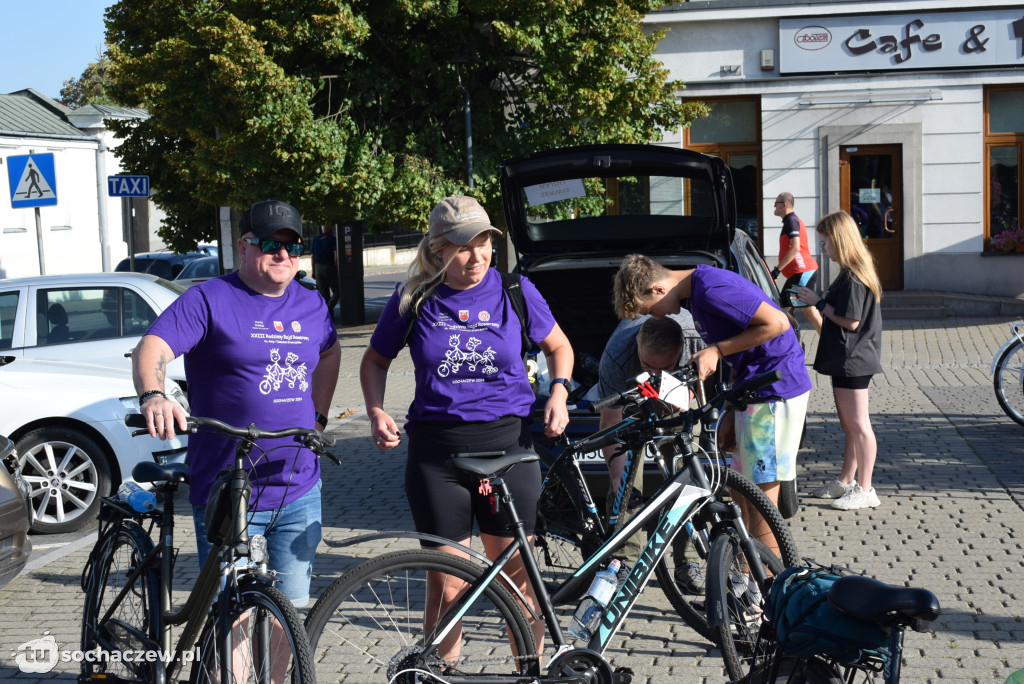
544	193
870	196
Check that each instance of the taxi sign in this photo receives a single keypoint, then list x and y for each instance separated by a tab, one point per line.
128	186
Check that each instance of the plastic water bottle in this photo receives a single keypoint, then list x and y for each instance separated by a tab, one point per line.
588	616
136	497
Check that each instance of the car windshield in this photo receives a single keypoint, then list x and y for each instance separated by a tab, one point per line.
633	209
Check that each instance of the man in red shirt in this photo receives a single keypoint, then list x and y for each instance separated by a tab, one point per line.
795	260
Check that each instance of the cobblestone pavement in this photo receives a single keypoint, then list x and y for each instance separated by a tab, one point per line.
950	474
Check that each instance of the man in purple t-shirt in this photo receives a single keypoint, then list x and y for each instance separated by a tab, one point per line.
259	349
745	328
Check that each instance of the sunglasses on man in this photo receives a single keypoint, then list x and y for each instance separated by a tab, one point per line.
268	246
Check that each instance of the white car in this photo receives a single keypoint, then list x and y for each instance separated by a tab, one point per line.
87	318
67	424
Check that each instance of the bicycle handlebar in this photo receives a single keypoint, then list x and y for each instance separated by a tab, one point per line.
315	440
740	395
687	375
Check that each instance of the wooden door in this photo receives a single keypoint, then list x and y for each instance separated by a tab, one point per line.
871	190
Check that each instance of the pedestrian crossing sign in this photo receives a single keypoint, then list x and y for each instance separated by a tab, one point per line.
33	180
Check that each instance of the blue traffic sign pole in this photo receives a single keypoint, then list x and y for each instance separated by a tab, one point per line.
33	174
127	187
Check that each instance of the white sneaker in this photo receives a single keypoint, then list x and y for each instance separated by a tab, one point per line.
857	498
833	490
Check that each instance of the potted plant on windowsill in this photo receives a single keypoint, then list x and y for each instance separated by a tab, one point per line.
1011	240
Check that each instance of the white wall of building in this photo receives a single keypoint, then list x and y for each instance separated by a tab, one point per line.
942	138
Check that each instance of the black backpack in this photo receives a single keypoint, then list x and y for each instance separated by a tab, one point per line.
513	290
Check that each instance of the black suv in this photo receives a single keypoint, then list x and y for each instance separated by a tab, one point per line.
573	213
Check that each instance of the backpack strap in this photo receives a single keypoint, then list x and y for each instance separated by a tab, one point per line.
514	289
511	283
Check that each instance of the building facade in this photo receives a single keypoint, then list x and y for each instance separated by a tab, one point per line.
86	230
909	115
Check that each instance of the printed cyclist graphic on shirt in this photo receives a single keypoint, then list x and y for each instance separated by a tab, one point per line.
455	357
277	374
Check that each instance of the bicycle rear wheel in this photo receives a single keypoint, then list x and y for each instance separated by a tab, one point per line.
744	602
1009	381
368	625
134	624
671	572
268	640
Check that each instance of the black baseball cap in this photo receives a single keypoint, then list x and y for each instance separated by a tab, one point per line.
266	218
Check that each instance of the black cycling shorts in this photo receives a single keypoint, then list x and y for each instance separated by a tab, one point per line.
446	501
853	382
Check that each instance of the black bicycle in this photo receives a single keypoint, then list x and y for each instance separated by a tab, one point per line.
570	527
827	626
235	625
373	623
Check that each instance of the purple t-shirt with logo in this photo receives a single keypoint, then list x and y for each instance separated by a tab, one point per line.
722	304
466	347
249	359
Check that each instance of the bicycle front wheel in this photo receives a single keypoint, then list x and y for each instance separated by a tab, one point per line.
369	625
744	602
268	640
133	625
1009	381
679	571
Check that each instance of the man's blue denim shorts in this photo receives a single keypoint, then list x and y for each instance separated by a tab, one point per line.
292	540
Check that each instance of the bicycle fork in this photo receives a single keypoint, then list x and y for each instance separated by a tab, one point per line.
717	601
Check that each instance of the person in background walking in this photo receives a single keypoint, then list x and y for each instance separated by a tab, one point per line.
325	266
795	260
850	350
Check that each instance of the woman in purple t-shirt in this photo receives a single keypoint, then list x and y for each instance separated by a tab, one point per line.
472	390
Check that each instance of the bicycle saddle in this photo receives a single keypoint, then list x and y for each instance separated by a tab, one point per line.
490	466
868	599
147	471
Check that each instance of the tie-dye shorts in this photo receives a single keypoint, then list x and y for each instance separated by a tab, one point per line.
768	438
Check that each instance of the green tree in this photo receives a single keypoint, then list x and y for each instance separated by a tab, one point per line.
89	88
354	108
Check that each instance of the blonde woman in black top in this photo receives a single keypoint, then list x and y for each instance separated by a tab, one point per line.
850	351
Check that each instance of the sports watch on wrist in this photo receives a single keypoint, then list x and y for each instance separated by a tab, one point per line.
820	305
321	419
558	381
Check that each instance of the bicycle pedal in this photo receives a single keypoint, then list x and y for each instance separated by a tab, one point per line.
622	675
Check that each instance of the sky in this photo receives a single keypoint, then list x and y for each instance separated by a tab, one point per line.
45	42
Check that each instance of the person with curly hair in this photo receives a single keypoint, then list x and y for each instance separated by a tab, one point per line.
742	326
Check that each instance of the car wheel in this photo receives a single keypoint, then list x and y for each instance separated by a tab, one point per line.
68	473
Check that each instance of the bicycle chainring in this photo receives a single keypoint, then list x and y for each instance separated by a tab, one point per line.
587	666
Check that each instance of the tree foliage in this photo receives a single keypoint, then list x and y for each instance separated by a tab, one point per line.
90	87
353	108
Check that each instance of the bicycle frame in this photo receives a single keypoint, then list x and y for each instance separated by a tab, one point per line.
193	613
676	501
